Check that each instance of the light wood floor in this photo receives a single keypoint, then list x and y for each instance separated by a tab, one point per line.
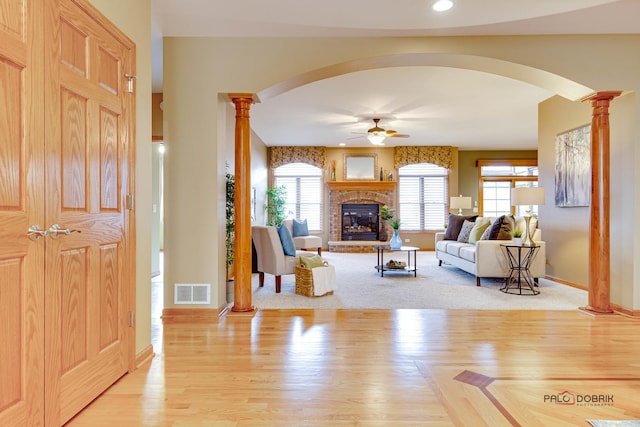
382	368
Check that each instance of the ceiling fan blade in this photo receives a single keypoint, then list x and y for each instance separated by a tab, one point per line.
399	135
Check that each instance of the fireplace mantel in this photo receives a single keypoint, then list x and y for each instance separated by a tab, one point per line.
361	185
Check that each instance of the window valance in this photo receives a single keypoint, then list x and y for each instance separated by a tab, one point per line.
441	156
315	156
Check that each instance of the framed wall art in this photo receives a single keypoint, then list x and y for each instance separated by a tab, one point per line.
573	168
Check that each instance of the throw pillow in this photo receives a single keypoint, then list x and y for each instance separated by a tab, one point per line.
300	228
465	231
478	229
312	261
288	246
501	228
455	224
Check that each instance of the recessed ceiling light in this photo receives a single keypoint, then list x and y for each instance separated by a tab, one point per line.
442	5
342	144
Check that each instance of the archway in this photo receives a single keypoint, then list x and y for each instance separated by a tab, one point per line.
557	84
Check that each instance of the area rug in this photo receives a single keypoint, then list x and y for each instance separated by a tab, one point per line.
447	287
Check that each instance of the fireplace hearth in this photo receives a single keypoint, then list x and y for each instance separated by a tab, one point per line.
360	221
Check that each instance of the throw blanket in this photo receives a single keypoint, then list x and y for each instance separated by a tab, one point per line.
324	279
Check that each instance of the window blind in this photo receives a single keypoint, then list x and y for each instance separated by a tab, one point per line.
422	194
304	192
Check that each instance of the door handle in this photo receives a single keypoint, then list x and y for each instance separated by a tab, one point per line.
55	231
35	232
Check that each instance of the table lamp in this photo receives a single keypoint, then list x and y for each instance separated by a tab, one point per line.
527	196
460	203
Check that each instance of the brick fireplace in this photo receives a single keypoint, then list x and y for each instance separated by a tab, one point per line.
356	192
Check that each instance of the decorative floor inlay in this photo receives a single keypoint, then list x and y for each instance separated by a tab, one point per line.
562	398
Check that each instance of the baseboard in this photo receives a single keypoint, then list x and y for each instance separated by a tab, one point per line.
566	282
144	356
625	311
191	315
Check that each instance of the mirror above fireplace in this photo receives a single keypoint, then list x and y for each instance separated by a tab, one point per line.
360	167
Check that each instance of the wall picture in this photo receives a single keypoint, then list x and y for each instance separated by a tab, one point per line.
573	167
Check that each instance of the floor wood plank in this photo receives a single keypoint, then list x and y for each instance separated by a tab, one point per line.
380	368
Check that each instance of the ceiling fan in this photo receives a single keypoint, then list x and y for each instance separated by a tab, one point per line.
376	135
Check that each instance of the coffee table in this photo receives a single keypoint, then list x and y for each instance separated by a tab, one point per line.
410	267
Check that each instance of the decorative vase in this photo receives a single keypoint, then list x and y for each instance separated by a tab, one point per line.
382	235
396	241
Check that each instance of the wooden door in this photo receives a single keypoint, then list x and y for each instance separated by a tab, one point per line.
21	205
87	150
65	158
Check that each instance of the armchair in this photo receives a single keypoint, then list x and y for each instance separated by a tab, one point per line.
304	242
271	257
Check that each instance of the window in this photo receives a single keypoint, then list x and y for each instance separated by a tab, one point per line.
496	198
423	191
497	178
304	192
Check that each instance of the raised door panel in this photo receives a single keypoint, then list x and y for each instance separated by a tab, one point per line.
74	151
110	182
73	308
21	205
11	116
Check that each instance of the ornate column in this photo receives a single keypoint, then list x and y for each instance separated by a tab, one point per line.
599	241
242	204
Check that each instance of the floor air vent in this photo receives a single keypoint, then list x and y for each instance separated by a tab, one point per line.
192	294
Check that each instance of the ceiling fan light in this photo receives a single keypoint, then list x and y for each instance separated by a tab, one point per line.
376	139
442	5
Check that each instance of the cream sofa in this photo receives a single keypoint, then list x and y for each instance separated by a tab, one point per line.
485	258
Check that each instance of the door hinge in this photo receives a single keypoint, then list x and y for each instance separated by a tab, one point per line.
130	202
130	78
131	319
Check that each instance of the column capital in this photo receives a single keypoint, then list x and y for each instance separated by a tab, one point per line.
602	96
243	97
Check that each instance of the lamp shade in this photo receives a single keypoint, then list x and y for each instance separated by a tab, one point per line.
460	202
527	196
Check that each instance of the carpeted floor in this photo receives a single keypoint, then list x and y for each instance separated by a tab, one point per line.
446	287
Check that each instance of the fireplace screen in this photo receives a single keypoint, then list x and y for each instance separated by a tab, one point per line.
360	221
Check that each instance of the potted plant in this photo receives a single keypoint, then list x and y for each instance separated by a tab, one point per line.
276	202
230	225
386	215
517	237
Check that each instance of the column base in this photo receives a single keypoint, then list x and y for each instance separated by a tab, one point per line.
236	309
594	312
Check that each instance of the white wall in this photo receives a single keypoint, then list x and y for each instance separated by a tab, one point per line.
565	230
